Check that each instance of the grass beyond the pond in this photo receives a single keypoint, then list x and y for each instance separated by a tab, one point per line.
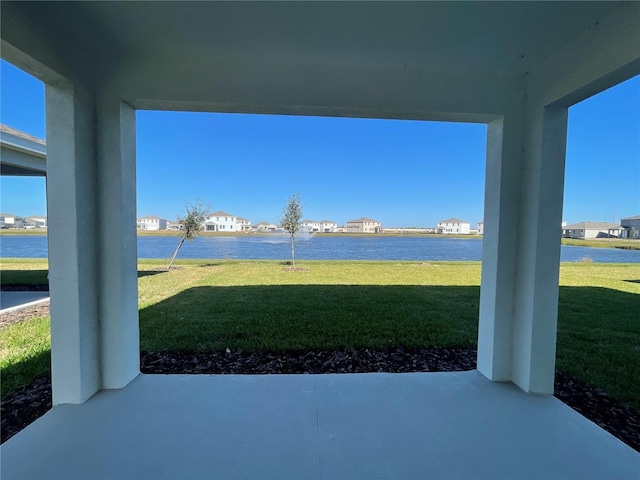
598	243
260	306
625	244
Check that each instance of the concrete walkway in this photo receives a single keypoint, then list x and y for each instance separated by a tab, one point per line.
358	426
12	301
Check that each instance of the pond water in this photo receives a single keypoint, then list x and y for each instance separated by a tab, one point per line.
276	247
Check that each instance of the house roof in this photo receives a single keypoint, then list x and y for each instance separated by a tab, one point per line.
453	220
18	133
7	215
242	219
151	217
592	226
637	217
362	220
309	221
327	221
220	213
264	223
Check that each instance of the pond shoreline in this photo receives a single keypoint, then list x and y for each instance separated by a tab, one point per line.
425	248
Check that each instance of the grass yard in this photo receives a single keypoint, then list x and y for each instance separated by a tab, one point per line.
259	306
25	353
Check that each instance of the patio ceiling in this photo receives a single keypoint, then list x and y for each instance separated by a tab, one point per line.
287	57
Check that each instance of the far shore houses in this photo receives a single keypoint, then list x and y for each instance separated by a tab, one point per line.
628	227
9	220
324	226
220	222
453	226
223	222
152	222
591	230
364	225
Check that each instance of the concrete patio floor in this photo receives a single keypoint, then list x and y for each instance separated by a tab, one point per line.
12	301
357	426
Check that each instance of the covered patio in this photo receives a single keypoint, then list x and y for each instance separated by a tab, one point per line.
515	66
404	426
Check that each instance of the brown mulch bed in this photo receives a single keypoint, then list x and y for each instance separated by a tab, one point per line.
24	288
32	401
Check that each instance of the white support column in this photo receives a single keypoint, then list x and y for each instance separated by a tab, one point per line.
73	243
118	259
521	249
91	205
502	195
538	260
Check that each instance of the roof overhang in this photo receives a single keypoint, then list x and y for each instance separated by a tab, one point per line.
459	61
21	154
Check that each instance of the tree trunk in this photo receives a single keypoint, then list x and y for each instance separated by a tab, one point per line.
175	252
293	253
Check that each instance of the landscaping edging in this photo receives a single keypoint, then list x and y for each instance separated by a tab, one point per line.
32	401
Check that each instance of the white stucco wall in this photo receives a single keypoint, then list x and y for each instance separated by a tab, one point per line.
223	223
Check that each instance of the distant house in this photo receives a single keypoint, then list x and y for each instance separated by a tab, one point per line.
151	222
454	226
631	226
364	225
265	227
310	225
243	224
480	228
327	226
37	221
590	230
9	220
220	222
174	226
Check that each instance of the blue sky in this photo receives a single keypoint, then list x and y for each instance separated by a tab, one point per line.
402	173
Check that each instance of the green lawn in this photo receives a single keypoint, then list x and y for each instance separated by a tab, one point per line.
25	353
259	305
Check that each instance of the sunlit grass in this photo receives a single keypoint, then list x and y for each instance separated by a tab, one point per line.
24	353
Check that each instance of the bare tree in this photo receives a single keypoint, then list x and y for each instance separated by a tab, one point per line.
191	224
291	222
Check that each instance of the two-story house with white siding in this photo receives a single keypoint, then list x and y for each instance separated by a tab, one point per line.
265	227
243	224
364	225
152	222
327	226
480	228
220	222
453	226
631	226
9	220
310	225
